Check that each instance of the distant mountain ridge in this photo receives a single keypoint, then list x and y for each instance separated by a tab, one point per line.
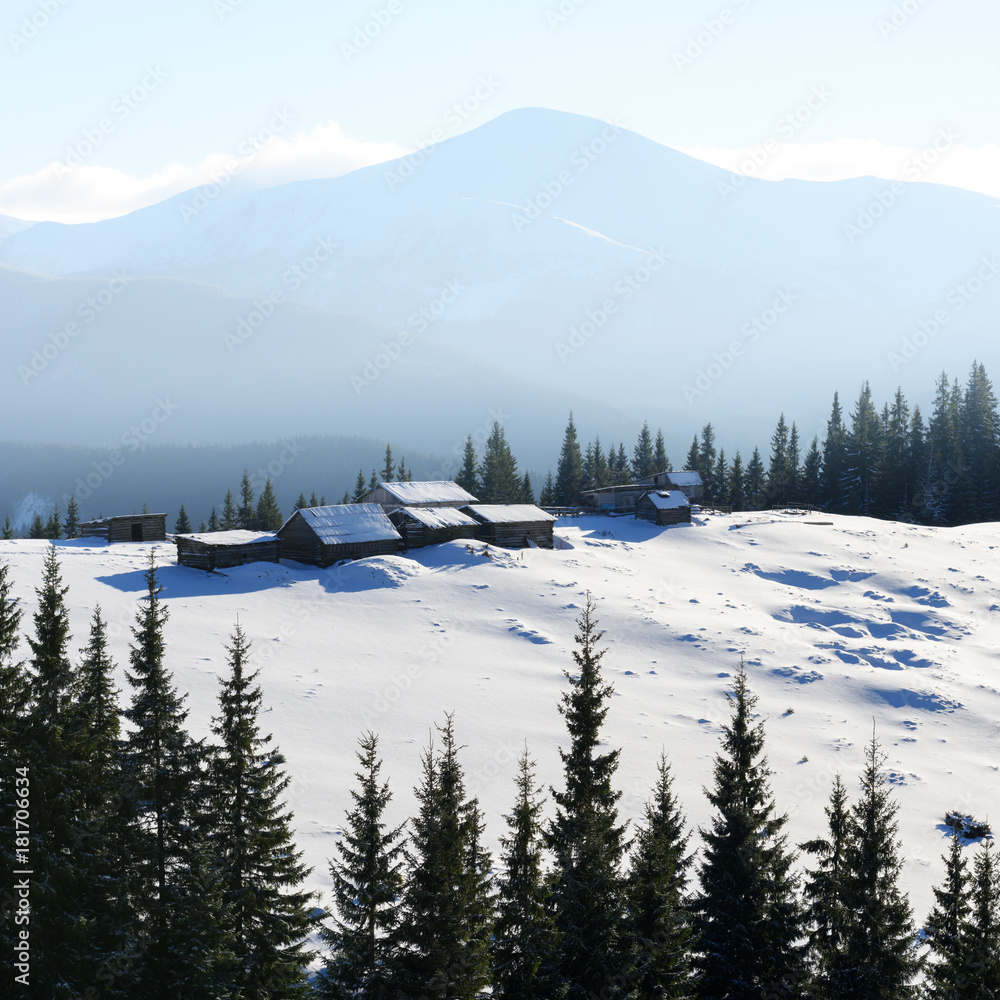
530	252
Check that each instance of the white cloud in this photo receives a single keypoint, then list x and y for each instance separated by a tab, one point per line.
86	193
974	168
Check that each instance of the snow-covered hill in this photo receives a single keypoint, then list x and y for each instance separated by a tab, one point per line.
840	623
604	263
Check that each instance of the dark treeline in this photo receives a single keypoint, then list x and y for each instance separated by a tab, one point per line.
887	463
164	867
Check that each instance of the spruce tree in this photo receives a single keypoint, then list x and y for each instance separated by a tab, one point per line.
214	524
373	478
268	514
548	494
643	463
268	914
658	922
601	470
443	936
779	473
825	895
982	927
747	917
37	527
621	471
360	488
246	515
834	457
720	479
947	973
865	455
527	490
498	478
810	483
183	524
388	466
706	461
693	460
53	527
8	532
879	956
754	483
72	518
51	749
182	941
301	503
230	516
569	471
585	838
404	474
737	484
660	459
367	886
524	956
466	477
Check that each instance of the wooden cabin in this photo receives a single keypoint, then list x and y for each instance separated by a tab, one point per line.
442	493
614	498
222	549
431	525
687	481
664	507
127	528
512	526
322	536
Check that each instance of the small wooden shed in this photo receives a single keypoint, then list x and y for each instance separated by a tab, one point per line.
512	526
322	536
432	525
664	507
222	549
127	528
439	493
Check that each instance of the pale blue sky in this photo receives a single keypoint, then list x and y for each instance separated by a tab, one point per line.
229	64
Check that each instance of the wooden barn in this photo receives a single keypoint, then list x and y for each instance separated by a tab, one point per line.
512	526
687	481
442	493
430	525
614	498
127	528
322	536
222	549
664	507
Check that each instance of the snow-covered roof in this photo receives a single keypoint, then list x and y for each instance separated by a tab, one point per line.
687	478
119	517
351	522
508	513
440	491
441	517
236	537
665	500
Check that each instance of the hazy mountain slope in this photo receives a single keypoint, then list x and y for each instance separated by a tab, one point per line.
536	241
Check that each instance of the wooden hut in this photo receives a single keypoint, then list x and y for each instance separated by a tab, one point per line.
440	493
322	536
687	481
512	526
664	507
614	498
431	525
223	549
127	528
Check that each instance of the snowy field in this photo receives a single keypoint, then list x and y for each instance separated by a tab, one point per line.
840	624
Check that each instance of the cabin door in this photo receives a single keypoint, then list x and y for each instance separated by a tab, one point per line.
137	532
